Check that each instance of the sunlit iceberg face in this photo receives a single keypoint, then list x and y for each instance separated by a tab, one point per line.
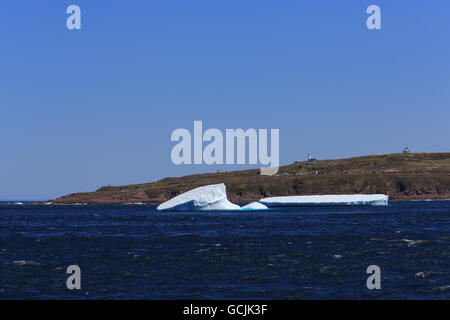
211	197
254	206
327	200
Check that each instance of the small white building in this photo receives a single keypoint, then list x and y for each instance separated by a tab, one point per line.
311	160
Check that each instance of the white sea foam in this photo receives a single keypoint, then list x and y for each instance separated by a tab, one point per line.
412	243
26	262
441	289
422	274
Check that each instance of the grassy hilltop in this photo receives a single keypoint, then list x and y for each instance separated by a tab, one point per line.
415	176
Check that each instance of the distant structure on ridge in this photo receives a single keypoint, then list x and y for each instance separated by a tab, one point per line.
311	160
406	150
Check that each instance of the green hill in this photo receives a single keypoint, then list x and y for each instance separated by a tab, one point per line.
415	176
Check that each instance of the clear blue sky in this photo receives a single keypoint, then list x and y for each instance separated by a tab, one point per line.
82	109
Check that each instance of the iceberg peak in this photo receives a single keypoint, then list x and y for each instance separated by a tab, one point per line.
212	197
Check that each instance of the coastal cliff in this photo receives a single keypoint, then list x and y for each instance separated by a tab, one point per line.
415	176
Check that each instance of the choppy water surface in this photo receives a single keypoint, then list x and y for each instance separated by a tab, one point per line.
133	251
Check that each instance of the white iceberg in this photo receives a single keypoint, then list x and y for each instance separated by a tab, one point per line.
211	197
254	206
327	200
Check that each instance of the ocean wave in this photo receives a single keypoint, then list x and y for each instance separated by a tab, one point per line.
422	274
441	289
26	263
412	243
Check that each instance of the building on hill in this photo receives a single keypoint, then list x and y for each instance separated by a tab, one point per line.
406	150
311	160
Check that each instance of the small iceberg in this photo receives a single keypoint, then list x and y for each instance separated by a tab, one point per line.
18	203
327	200
210	198
254	206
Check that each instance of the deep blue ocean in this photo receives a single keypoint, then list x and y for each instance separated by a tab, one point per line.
135	252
